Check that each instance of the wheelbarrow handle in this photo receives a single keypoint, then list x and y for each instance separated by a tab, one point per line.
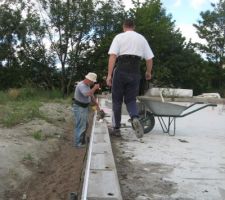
200	102
200	108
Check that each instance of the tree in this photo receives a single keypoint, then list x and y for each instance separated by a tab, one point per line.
9	25
68	24
23	55
53	43
159	29
176	64
212	29
107	23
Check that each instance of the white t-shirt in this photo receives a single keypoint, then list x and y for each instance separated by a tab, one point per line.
131	43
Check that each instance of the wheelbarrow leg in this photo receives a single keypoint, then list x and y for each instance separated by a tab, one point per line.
174	127
166	127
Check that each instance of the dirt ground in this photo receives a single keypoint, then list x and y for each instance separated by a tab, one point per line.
135	184
49	169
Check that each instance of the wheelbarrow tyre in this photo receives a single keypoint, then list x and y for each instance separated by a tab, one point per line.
147	120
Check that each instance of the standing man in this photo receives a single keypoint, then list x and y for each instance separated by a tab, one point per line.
82	97
127	48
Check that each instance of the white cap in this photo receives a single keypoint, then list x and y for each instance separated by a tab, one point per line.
91	76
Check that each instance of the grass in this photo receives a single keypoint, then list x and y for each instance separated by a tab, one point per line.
28	157
22	105
38	135
19	112
13	173
3	97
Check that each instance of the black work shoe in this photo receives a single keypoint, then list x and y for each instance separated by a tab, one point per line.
138	128
114	132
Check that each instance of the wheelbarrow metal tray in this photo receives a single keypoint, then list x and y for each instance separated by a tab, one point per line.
159	108
168	110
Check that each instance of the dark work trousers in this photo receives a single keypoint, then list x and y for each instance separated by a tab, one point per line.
125	87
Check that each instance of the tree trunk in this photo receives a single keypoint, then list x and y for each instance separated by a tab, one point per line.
63	84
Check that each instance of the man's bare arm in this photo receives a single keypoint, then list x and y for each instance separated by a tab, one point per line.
92	91
93	99
148	73
111	64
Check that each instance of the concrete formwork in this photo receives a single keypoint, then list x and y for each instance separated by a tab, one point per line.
101	180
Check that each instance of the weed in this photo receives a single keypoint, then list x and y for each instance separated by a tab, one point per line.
22	105
13	173
13	93
19	112
38	135
29	93
3	97
28	157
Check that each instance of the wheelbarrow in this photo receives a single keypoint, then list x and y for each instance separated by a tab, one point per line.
149	108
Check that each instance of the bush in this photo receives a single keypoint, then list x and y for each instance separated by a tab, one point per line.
20	112
51	94
3	97
22	105
38	135
13	93
28	93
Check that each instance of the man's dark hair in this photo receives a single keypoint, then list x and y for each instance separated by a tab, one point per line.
129	23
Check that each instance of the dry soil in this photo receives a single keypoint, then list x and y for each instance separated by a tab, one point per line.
46	169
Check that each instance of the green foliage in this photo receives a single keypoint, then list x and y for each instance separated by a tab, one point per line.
24	107
68	25
38	135
33	93
107	23
3	97
166	42
28	94
176	64
28	157
23	54
19	112
13	173
57	42
212	28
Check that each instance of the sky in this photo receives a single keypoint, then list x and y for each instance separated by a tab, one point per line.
185	13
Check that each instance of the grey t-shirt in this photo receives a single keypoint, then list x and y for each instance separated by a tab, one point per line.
81	91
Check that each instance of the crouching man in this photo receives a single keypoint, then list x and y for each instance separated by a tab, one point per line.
83	96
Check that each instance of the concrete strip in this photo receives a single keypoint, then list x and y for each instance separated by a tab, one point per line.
222	193
102	162
103	185
102	181
102	148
